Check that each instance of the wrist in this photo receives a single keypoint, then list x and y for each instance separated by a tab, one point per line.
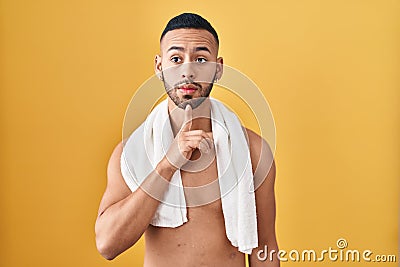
165	168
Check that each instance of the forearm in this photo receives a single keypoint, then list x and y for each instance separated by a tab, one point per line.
122	224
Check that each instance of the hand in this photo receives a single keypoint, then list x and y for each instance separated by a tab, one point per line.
186	141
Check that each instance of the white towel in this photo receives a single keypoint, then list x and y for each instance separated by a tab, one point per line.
148	144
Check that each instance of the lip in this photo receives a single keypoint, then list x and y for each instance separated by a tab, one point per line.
187	88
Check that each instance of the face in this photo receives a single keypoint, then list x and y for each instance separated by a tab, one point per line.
188	65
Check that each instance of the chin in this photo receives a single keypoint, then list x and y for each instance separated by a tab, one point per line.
193	102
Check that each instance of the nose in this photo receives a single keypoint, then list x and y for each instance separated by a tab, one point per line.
188	71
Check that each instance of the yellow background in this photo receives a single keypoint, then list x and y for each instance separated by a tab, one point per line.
329	69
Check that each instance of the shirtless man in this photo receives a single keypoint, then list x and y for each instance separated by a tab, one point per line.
124	216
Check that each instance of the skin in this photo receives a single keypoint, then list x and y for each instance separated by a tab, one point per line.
124	216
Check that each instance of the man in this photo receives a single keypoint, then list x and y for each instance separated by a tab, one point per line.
187	42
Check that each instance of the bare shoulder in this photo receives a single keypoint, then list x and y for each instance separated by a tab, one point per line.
115	157
263	165
262	158
116	188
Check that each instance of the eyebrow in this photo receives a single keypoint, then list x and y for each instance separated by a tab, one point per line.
175	48
202	48
199	48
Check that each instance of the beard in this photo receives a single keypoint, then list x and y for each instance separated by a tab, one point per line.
194	102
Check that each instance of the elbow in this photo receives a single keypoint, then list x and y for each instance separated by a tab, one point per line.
109	243
104	244
105	249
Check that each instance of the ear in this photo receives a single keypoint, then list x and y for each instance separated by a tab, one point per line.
157	66
220	68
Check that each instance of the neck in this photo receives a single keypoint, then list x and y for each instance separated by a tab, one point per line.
200	116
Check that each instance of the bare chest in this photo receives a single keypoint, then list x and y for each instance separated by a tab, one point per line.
201	185
202	240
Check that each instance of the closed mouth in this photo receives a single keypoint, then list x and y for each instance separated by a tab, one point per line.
188	88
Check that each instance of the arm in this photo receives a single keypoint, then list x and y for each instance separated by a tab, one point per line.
123	215
264	180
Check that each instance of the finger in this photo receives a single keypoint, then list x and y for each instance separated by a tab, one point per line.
187	122
199	138
194	137
200	133
194	132
210	142
204	146
193	144
210	135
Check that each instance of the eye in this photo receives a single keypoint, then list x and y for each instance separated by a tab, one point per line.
175	59
201	60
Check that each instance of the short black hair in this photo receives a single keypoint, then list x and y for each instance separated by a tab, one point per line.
189	21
